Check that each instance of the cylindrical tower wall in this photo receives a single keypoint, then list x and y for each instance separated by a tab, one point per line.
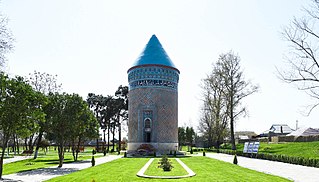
153	107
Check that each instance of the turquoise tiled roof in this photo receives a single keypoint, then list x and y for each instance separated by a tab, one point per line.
154	54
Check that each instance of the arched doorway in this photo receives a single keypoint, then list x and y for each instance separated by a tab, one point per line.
147	130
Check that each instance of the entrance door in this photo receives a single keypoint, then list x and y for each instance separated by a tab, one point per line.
148	137
147	130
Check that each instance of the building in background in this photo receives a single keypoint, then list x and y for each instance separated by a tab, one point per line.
277	130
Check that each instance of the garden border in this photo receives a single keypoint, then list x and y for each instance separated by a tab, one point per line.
144	168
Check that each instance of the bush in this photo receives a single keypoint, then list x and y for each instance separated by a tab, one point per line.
165	164
146	147
235	161
93	161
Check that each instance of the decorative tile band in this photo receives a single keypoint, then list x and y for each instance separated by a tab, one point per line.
153	83
153	76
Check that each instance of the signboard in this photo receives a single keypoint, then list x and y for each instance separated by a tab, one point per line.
246	147
251	147
255	147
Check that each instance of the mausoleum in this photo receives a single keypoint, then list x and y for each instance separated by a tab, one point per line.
153	100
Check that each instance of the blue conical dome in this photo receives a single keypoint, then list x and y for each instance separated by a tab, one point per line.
154	54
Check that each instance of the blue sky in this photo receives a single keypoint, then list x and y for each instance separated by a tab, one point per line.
90	45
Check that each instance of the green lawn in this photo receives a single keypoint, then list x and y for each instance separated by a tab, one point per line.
297	149
50	159
206	169
154	170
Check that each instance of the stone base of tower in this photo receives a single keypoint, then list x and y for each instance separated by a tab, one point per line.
160	147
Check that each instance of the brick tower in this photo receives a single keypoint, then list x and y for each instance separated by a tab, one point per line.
153	100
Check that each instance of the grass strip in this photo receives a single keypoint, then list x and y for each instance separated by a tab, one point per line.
294	149
154	170
43	161
206	169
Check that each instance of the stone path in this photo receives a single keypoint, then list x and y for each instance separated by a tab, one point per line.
16	158
52	172
289	171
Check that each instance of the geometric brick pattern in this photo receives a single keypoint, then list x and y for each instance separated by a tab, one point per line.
163	103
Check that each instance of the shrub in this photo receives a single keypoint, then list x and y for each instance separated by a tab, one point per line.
235	161
93	161
165	164
315	162
306	162
147	147
300	160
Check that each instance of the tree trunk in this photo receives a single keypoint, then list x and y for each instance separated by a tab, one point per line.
38	145
1	162
113	135
119	144
104	135
14	144
78	148
73	150
210	137
26	143
5	142
232	136
18	146
61	155
108	137
97	144
31	142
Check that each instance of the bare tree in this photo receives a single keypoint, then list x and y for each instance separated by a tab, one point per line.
213	122
6	40
236	88
44	83
303	37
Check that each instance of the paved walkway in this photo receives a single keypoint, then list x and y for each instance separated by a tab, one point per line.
289	171
16	158
52	172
